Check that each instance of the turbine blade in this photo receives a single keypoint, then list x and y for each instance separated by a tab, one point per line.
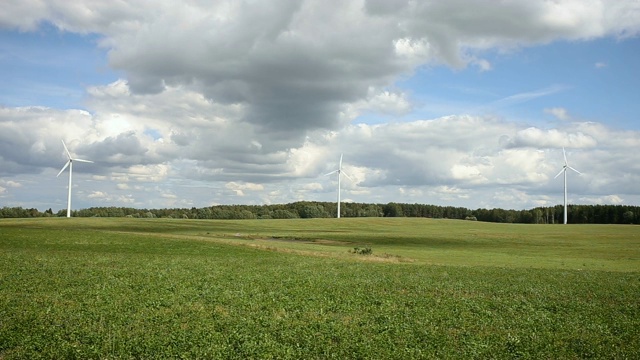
565	155
345	174
67	150
64	167
86	161
561	171
340	166
333	172
574	169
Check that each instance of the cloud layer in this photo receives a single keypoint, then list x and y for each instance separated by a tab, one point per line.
252	102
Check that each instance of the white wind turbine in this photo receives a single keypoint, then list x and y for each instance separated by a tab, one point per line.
70	165
340	173
564	170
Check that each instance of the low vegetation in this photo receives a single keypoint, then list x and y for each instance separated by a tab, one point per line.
163	288
362	251
577	214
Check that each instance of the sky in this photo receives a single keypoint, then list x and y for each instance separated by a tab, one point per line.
196	103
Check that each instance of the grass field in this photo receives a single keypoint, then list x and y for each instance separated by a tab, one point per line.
164	288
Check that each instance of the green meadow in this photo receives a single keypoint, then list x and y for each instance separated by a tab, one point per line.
121	288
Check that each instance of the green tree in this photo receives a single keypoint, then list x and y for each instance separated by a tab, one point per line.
313	211
284	214
392	210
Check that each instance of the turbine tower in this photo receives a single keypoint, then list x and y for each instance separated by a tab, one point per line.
70	165
564	170
340	173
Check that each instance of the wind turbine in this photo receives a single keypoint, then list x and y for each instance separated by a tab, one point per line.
70	165
564	170
340	173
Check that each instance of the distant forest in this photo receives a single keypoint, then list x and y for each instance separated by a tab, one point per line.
577	214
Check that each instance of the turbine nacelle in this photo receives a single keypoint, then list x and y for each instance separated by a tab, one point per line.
566	165
339	170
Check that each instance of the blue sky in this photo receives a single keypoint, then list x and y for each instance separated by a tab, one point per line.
50	67
182	105
594	80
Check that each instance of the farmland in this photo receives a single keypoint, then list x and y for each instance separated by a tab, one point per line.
168	288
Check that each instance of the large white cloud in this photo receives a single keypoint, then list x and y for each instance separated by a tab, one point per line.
294	65
465	160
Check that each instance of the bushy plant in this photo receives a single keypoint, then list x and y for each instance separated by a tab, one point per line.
362	251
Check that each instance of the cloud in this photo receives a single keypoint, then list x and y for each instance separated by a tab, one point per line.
105	198
386	102
525	96
258	101
453	160
541	138
559	113
124	148
292	66
10	183
482	64
30	137
600	65
97	195
312	187
240	188
608	199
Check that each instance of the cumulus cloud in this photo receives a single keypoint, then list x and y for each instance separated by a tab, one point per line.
106	198
427	167
607	199
559	113
541	138
30	137
386	102
97	195
240	188
302	62
482	64
10	183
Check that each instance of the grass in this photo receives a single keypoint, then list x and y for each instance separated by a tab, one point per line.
156	288
421	241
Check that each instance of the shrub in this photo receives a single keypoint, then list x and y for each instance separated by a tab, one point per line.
362	251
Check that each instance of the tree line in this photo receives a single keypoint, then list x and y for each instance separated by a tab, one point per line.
577	214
